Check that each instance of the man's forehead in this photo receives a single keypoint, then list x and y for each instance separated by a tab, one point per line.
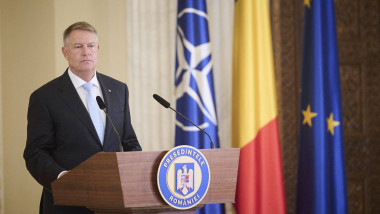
82	36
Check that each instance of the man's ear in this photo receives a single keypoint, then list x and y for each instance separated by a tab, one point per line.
64	51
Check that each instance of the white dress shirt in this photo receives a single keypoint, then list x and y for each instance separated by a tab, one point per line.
96	91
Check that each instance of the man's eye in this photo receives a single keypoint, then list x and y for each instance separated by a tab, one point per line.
77	46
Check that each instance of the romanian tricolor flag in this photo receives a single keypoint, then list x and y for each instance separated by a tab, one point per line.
260	187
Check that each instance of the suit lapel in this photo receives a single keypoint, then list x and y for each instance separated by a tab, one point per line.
70	96
106	91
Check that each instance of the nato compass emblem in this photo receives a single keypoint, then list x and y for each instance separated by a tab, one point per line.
183	177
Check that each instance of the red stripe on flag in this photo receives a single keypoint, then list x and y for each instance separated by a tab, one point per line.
260	178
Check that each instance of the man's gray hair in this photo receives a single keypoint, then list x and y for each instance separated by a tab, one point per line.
77	26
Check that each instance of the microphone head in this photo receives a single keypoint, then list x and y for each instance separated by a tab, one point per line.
101	103
161	100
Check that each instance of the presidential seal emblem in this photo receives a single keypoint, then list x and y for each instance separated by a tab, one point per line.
183	177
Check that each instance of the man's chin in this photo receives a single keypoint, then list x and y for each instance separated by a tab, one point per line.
83	70
87	67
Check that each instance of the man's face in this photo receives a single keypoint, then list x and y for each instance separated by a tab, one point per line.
81	51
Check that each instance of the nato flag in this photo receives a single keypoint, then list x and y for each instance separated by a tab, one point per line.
194	82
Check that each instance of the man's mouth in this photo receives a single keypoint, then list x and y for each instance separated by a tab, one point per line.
86	60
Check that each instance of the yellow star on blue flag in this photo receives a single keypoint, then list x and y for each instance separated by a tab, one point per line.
308	115
307	3
331	123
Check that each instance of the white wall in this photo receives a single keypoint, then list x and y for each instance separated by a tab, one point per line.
27	61
1	133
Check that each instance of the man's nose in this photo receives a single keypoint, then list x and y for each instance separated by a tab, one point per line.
86	50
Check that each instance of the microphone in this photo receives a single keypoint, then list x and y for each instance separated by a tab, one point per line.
102	106
166	104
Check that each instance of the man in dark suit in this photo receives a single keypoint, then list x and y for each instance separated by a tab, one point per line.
62	130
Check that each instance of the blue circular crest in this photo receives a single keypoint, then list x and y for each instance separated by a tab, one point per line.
183	177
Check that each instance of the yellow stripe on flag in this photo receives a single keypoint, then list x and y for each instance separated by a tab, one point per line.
254	95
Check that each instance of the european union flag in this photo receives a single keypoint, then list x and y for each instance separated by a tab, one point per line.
321	184
194	82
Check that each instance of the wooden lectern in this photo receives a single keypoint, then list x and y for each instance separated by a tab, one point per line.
126	182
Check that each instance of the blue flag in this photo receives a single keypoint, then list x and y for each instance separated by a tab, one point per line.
321	183
194	84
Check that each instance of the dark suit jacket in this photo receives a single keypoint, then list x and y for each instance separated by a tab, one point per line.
61	135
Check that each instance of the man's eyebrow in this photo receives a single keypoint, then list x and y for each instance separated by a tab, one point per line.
90	43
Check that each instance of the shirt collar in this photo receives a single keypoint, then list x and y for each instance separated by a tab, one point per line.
78	82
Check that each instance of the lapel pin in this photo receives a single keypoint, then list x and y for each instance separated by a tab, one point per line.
109	90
